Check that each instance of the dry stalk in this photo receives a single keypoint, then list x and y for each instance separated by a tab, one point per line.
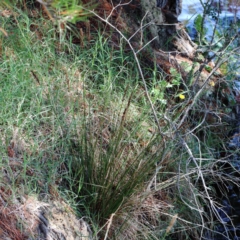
171	224
109	225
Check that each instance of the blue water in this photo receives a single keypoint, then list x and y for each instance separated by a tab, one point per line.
194	7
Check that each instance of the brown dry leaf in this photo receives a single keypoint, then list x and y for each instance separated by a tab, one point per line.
6	13
10	149
53	190
107	7
35	28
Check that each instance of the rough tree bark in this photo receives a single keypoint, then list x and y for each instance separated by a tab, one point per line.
161	16
171	36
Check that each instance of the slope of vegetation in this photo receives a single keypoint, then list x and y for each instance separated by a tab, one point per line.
76	127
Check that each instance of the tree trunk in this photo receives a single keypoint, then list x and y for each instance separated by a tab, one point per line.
170	33
163	26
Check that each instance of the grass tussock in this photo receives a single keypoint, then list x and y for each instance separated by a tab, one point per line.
75	124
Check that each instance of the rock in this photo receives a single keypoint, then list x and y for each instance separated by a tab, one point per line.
54	220
57	222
